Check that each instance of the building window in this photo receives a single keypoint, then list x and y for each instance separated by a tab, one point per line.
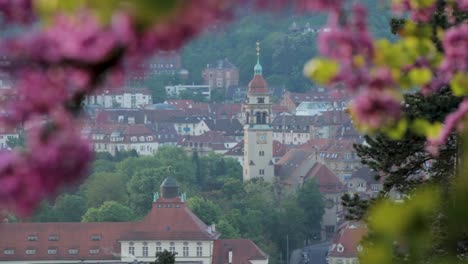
340	248
131	251
185	251
172	249
73	251
32	238
261	172
30	251
96	237
133	101
9	251
94	251
52	251
158	249
199	251
53	238
261	153
145	251
260	100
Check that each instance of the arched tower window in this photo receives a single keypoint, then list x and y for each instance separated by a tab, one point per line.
264	117
258	116
247	116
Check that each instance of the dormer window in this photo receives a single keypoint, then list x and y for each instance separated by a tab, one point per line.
133	139
53	237
32	238
359	248
142	138
30	251
340	248
9	251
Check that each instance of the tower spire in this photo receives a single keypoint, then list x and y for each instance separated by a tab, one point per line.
258	67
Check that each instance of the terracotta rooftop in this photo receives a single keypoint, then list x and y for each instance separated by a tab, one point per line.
258	85
242	250
347	240
326	180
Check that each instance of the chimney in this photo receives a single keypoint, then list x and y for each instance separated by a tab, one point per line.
230	256
213	228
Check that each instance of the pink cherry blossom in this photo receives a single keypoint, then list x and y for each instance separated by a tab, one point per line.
374	110
455	44
17	11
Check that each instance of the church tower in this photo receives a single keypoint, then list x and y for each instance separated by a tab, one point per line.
258	133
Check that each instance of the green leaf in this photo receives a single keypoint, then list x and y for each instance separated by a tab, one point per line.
459	84
399	130
420	76
321	70
423	127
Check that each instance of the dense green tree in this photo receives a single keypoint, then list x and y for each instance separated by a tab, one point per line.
44	213
103	165
69	208
91	215
105	186
130	166
109	211
206	210
141	188
218	96
227	230
165	257
311	201
196	162
157	83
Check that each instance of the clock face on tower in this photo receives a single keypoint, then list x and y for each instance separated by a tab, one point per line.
261	138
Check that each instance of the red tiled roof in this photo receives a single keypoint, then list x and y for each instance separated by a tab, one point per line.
258	85
243	250
327	181
349	238
162	223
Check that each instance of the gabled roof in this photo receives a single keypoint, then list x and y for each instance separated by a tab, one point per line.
326	180
288	168
230	127
242	250
347	240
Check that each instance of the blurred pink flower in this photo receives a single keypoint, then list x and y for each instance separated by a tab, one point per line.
374	110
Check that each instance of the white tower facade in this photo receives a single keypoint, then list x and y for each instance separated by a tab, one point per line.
258	133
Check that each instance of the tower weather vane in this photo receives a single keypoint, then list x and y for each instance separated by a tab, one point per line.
258	51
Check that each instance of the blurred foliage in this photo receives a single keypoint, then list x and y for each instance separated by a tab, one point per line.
146	12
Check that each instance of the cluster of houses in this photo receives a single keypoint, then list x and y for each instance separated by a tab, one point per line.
304	136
